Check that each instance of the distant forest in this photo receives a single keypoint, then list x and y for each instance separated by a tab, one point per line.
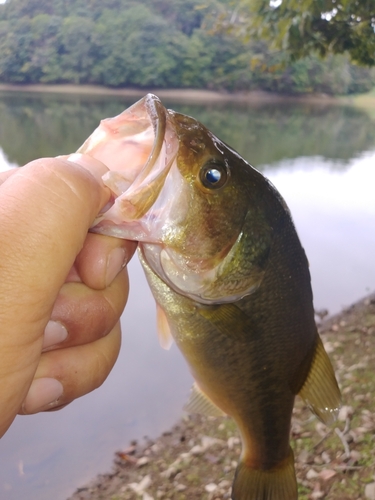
155	43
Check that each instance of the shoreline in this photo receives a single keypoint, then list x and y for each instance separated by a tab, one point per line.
197	458
189	95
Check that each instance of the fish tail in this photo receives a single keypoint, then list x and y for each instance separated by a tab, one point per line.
278	483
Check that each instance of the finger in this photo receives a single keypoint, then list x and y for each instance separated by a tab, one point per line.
6	174
53	204
82	315
102	258
46	209
67	374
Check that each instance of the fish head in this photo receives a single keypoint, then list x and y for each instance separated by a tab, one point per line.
187	198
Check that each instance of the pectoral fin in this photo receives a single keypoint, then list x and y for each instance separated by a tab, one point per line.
164	330
202	404
320	390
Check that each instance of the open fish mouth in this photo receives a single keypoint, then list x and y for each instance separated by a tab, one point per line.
139	147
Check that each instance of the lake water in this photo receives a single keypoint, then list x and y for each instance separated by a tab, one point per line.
322	160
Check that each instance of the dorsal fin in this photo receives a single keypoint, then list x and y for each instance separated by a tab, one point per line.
200	403
163	328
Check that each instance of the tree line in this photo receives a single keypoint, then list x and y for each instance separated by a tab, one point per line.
156	43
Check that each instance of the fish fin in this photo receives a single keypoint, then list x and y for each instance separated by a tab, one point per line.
164	330
320	390
200	403
278	483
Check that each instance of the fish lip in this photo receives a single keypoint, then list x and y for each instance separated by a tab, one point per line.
157	114
145	129
143	192
135	230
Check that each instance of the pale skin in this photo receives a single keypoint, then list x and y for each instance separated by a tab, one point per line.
62	290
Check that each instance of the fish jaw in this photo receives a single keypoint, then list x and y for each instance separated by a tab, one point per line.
204	286
139	146
154	157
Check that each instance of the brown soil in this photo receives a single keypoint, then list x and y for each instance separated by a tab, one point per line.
197	458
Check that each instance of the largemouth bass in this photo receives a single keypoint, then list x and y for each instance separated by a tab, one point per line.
230	279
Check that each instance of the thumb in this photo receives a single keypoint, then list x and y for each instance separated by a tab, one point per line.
46	209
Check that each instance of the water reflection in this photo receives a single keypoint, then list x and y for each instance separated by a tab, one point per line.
334	212
321	161
33	126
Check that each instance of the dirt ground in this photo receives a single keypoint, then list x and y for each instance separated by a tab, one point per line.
198	457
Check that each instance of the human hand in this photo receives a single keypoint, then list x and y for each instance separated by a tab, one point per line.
56	282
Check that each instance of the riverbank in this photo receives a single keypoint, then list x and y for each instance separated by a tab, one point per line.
194	95
198	457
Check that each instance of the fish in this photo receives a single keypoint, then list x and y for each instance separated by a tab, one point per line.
230	279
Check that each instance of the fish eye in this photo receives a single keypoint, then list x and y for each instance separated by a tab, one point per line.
213	175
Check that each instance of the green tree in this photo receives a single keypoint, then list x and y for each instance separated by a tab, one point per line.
155	53
305	26
165	43
43	64
114	60
75	48
15	49
185	15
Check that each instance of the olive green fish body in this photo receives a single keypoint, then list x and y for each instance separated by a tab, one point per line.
230	279
251	357
234	369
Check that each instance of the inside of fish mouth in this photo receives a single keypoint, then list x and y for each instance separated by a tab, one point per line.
139	153
140	148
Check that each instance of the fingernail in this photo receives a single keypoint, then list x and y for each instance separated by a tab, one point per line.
116	261
44	393
54	333
89	163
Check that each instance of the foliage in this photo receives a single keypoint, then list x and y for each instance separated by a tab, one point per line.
303	27
154	43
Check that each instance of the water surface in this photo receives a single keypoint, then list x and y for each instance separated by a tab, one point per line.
321	158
